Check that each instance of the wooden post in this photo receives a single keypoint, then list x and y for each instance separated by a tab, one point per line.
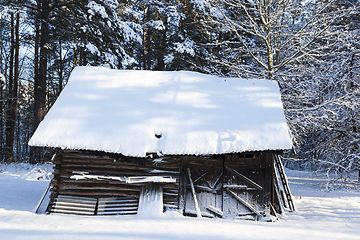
183	183
42	198
198	212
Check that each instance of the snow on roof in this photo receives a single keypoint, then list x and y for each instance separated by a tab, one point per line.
136	112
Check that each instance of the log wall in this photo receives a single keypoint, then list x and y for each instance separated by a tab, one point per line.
217	180
70	162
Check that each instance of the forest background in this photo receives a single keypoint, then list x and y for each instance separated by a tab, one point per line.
310	47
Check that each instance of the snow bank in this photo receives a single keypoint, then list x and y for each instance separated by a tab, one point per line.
22	185
321	215
136	112
28	171
151	201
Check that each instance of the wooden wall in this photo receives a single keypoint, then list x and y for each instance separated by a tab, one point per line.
225	184
70	162
215	178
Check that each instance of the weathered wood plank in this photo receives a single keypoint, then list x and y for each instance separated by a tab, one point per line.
95	188
183	183
100	193
254	184
128	212
117	206
198	212
116	165
68	183
246	204
68	172
73	205
215	211
237	187
75	198
73	212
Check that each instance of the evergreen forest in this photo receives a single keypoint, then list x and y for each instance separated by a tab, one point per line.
310	47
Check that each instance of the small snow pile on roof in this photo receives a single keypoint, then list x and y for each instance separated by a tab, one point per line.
136	112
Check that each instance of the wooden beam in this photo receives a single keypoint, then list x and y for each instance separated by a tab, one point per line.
243	202
254	184
183	182
42	198
198	212
215	211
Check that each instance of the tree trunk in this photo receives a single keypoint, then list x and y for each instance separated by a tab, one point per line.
36	52
144	41
33	151
162	48
61	68
148	43
16	80
61	65
82	53
10	120
2	105
40	84
40	81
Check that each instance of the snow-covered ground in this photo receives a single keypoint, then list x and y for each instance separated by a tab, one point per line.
320	215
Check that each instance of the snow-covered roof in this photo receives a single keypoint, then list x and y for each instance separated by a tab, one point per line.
136	112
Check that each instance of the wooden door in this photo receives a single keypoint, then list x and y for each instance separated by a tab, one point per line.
232	187
206	176
244	178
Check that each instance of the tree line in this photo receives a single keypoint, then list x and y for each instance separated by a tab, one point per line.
311	48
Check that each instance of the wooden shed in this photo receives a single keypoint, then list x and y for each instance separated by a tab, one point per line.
143	142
